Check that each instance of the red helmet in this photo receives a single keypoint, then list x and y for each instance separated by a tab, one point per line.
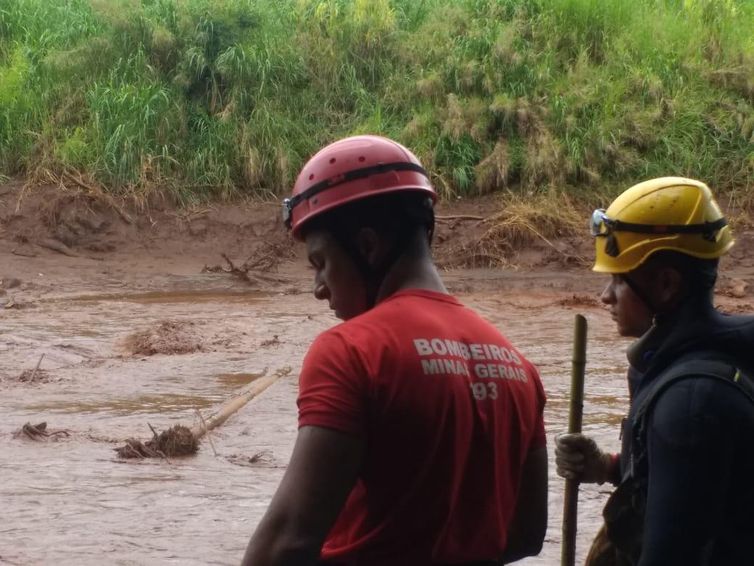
349	170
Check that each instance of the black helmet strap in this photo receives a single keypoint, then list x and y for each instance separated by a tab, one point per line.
291	203
604	226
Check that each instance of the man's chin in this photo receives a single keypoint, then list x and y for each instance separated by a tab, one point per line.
630	332
344	315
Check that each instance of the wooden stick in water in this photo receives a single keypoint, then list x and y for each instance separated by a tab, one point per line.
234	405
575	414
36	369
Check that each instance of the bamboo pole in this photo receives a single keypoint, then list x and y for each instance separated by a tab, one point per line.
575	414
180	440
234	404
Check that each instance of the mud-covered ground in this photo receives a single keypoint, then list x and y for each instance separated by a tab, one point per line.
114	318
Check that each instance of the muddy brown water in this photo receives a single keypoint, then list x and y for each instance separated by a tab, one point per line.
71	501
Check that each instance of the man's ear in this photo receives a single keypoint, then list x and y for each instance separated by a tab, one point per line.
670	286
369	244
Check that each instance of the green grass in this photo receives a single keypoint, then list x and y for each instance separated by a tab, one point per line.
221	98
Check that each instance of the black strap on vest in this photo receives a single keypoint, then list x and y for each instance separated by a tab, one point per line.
691	366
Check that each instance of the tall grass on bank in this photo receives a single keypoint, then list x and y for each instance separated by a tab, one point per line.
216	98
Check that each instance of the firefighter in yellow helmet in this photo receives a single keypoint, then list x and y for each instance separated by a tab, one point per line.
669	213
684	491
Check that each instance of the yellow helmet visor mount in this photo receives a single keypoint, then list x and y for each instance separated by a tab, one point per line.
601	225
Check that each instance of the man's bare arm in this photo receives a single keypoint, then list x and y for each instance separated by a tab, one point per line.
322	471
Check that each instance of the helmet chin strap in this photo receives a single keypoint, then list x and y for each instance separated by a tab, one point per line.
641	293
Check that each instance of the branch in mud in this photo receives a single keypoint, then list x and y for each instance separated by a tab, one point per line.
183	441
259	264
35	375
99	193
22	253
448	218
61	248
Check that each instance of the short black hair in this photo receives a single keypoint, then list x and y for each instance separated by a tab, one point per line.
386	214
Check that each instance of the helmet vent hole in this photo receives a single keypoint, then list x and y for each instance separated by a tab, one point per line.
311	176
332	160
362	159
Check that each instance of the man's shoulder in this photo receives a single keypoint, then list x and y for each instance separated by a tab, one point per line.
420	298
723	337
409	308
700	384
414	315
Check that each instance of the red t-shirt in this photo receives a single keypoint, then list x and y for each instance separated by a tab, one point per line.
448	410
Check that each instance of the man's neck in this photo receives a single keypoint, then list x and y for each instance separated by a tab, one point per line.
411	273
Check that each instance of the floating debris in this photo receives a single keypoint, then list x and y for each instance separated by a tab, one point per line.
176	441
35	375
39	432
263	459
169	337
183	441
31	376
274	341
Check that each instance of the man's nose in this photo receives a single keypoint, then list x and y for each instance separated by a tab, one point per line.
607	296
321	291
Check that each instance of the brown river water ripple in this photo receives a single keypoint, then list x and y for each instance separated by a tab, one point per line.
70	500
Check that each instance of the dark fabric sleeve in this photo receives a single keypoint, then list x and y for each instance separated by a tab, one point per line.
692	449
333	386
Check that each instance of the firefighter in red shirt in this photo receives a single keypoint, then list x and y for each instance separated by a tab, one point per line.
421	439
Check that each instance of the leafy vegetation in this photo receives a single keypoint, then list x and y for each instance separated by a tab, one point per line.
218	98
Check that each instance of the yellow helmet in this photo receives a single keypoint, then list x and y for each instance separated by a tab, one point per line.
669	213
